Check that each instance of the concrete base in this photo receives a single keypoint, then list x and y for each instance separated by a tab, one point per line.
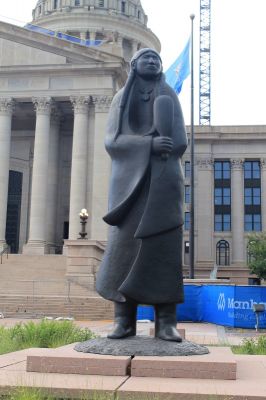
35	248
83	259
69	361
249	385
218	364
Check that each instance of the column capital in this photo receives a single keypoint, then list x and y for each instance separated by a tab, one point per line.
263	163
42	105
204	163
7	106
102	103
237	163
80	104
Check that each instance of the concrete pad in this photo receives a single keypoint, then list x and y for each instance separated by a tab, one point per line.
60	385
249	385
218	364
69	361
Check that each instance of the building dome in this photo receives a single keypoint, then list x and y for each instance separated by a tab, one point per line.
118	21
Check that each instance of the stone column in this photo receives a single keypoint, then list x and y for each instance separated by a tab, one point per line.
6	110
263	193
101	169
52	192
78	186
92	35
37	233
237	211
204	211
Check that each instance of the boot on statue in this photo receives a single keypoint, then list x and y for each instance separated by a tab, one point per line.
125	320
165	322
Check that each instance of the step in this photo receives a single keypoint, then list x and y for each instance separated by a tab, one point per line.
69	361
220	364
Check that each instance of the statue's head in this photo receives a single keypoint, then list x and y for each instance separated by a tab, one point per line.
147	63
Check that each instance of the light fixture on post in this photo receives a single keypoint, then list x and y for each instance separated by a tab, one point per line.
83	215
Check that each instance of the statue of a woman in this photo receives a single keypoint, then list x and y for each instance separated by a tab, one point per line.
145	139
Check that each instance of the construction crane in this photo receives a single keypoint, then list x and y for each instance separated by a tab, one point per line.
205	63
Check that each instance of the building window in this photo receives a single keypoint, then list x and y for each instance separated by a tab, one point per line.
187	221
39	10
222	222
139	14
253	222
77	2
55	4
252	195
222	253
222	196
222	170
186	247
101	3
252	169
123	7
187	169
187	194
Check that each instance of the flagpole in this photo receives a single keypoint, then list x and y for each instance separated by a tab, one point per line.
191	230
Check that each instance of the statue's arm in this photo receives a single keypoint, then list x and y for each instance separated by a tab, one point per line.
180	140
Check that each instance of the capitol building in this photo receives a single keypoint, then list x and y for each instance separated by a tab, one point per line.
58	76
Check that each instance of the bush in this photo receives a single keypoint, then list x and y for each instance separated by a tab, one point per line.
49	334
252	346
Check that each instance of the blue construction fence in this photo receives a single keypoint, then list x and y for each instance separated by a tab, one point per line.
227	305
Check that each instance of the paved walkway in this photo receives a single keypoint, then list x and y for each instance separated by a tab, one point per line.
202	333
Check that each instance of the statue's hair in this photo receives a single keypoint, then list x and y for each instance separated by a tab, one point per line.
129	83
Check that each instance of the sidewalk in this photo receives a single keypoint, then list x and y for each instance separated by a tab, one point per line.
201	333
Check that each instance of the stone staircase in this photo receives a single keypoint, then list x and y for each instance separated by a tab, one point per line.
36	286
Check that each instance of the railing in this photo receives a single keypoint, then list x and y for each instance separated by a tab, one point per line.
6	251
63	36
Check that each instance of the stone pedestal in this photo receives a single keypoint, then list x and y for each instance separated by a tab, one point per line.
83	259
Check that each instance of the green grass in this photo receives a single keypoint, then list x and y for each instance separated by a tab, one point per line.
254	346
48	334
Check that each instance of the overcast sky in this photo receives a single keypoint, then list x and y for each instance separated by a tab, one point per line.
238	51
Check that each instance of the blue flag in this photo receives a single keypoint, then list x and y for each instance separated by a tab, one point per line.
179	70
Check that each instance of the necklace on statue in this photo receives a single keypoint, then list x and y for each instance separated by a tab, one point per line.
145	93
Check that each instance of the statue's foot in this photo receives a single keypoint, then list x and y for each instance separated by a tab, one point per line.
121	332
169	333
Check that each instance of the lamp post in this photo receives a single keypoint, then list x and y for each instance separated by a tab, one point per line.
191	230
83	215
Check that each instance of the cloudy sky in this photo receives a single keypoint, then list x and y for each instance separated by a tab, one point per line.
238	46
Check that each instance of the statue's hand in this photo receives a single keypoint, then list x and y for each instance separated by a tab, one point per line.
162	145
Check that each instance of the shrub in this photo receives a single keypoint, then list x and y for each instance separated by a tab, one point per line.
48	334
252	346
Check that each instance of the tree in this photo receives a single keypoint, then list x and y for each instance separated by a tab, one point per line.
257	254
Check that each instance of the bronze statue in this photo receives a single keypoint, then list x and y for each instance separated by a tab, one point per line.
146	139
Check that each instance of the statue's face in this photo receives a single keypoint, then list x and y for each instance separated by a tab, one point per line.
148	65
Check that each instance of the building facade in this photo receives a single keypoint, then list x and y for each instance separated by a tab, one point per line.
230	189
55	95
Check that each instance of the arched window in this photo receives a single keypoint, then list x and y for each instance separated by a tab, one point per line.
222	253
